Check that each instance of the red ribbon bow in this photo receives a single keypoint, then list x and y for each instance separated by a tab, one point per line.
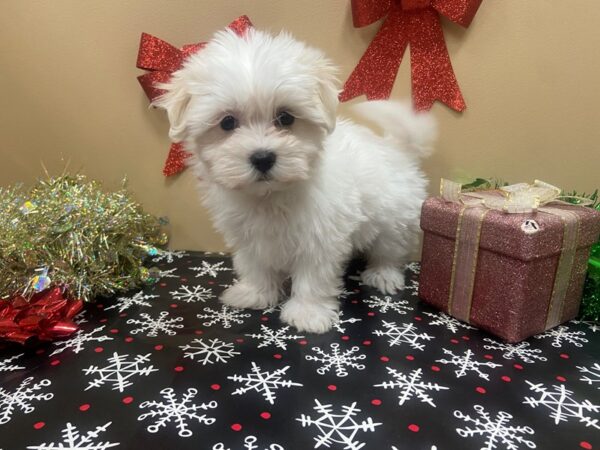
161	59
416	22
46	316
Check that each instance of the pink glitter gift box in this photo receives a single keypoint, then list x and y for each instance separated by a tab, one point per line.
513	275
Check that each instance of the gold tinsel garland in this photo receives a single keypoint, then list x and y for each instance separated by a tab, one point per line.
67	232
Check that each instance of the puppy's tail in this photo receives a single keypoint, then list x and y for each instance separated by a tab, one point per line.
416	131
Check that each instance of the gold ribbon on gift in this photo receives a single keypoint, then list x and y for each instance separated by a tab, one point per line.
513	199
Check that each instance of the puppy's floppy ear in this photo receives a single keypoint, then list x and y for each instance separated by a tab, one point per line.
175	101
328	91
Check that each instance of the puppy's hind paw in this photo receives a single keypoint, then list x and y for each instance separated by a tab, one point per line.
388	280
242	295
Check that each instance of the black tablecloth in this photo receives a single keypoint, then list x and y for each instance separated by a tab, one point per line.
168	367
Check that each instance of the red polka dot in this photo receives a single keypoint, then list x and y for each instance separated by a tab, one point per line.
103	320
123	315
561	378
564	356
414	427
488	356
345	338
211	282
586	445
505	378
163	284
99	306
370	313
384	358
127	400
173	305
114	331
435	368
198	332
236	427
159	347
367	342
40	351
265	415
518	366
410	357
128	339
55	362
302	342
99	349
183	279
454	341
39	425
480	389
277	356
354	302
376	402
264	318
179	369
465	338
332	387
239	340
84	407
418	318
215	387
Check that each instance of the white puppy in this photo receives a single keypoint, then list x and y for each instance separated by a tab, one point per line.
293	188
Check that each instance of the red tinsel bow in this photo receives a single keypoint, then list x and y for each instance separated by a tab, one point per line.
47	316
161	59
416	22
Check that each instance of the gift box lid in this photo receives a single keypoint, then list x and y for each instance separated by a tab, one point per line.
525	236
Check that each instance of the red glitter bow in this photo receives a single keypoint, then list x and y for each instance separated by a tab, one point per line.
416	22
46	316
161	59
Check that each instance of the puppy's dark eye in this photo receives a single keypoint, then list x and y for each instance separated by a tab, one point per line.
229	123
284	119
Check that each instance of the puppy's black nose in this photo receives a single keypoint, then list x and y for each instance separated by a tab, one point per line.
263	160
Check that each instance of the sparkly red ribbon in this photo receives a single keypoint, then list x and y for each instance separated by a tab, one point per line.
46	316
161	59
416	22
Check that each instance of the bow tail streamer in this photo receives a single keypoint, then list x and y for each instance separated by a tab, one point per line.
431	70
376	71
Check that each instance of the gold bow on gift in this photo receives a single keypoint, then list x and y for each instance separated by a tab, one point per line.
513	199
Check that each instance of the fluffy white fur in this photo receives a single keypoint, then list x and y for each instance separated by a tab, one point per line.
336	187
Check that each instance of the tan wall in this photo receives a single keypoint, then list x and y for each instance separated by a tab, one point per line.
529	71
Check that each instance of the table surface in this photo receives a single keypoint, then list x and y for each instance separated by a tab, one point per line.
168	367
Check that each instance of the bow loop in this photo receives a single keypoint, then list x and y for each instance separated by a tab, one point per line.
461	12
156	54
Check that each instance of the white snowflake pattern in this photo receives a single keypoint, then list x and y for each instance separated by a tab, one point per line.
561	334
7	364
562	405
592	325
228	285
272	309
119	371
414	267
406	333
212	270
125	303
180	411
277	338
496	430
412	287
168	273
520	350
340	326
338	359
72	439
344	293
192	295
263	382
385	304
22	397
226	316
593	374
338	428
168	256
411	386
250	443
466	363
447	321
77	342
209	351
152	326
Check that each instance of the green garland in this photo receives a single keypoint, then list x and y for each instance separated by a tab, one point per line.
68	232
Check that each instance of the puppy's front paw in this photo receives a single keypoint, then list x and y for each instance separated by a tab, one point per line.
388	280
243	295
315	316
